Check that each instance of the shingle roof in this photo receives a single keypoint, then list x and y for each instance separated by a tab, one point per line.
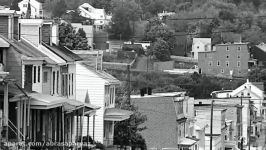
102	74
62	52
161	121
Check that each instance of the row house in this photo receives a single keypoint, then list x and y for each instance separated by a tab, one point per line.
225	60
237	116
200	45
169	121
218	129
40	85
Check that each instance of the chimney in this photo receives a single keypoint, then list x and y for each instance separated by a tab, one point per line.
55	34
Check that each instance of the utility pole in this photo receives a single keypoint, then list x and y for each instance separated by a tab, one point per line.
249	130
128	83
211	125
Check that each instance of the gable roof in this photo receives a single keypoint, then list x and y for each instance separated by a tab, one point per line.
204	41
62	52
102	74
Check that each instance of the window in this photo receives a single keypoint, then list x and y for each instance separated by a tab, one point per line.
225	137
239	48
227	56
45	77
39	74
57	82
19	31
238	64
69	85
72	83
34	74
222	70
25	5
238	57
227	48
197	47
218	63
210	63
40	40
53	90
227	63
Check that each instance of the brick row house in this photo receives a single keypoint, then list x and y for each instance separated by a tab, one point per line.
39	87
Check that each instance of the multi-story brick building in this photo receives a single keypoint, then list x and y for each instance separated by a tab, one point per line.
225	60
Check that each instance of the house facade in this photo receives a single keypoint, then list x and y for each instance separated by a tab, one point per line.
36	7
200	45
167	112
225	60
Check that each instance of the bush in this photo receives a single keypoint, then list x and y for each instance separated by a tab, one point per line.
134	47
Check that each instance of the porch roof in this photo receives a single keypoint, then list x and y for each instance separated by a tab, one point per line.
187	142
44	101
115	114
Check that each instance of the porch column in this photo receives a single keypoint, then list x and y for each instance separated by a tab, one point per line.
5	125
93	128
81	126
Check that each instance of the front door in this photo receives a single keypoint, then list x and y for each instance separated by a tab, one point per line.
46	84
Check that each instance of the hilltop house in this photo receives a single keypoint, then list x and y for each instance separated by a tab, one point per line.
169	117
258	52
225	60
200	45
36	7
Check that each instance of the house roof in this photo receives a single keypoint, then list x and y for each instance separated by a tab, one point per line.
161	120
204	41
62	52
4	43
115	114
262	46
259	85
187	142
102	74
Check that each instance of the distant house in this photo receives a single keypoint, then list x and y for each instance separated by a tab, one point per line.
225	60
203	116
36	7
200	45
165	14
99	16
168	120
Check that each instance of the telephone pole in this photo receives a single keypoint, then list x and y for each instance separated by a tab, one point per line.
128	83
211	125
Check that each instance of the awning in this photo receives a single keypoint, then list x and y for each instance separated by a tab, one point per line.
4	43
115	114
45	101
187	142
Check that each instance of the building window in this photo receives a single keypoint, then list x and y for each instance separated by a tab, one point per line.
239	48
57	82
238	64
227	63
34	74
222	70
227	56
218	63
53	90
197	47
39	74
72	83
227	48
210	63
19	31
25	5
238	57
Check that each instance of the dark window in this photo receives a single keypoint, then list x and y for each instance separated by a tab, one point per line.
72	83
34	74
19	31
69	86
39	74
45	77
40	35
53	82
57	82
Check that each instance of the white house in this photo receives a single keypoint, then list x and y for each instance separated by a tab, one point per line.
35	5
100	87
200	45
98	15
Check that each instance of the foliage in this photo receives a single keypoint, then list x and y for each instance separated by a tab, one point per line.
70	38
127	132
134	47
161	50
258	75
14	5
59	9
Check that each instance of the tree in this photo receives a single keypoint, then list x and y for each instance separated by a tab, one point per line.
70	38
59	9
106	4
14	5
127	132
161	50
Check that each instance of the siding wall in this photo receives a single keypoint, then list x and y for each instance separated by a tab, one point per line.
4	25
30	33
13	64
86	80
